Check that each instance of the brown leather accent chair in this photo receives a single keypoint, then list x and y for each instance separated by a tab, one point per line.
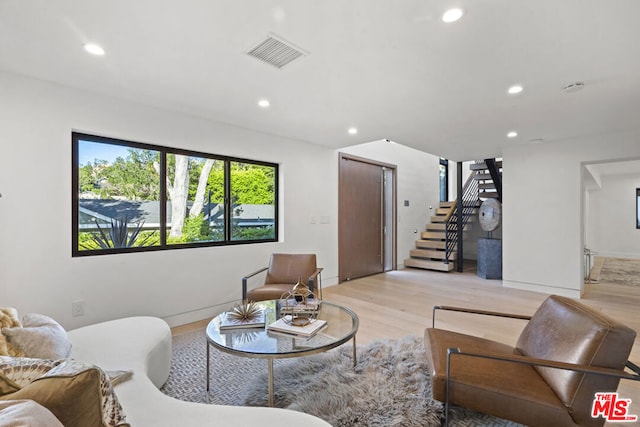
565	354
283	273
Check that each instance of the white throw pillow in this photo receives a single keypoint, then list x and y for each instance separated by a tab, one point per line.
40	337
20	413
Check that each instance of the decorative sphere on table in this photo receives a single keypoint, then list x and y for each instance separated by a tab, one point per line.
291	301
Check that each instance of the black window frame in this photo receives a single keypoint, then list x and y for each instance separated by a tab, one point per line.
76	137
444	195
638	208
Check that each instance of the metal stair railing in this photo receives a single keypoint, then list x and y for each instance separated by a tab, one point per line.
492	167
470	197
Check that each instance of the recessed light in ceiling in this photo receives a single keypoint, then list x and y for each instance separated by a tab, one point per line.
264	103
94	49
573	87
512	134
452	15
515	89
352	130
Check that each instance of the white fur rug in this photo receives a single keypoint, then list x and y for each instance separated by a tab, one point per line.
390	385
386	388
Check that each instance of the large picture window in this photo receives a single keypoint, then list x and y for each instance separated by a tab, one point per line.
131	197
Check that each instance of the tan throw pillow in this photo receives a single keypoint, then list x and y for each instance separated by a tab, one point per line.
41	337
78	395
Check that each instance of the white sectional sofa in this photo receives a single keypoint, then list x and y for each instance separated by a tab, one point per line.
143	345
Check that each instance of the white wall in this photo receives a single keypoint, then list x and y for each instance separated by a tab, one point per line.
417	176
611	209
543	224
37	272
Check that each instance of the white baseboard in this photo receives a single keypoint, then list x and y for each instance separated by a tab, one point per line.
618	255
197	315
543	289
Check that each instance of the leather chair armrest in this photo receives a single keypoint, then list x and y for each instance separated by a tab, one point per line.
585	369
244	282
474	311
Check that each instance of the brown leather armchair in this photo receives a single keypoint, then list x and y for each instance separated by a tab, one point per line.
565	354
283	273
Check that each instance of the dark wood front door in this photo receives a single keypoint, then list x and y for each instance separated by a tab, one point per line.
361	213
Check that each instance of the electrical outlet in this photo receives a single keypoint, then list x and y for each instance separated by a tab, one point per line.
77	308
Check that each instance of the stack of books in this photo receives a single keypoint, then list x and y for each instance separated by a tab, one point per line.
291	306
284	326
229	323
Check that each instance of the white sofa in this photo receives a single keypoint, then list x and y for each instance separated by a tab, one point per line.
143	345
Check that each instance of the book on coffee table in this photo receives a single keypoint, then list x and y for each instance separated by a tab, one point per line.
291	306
228	322
306	331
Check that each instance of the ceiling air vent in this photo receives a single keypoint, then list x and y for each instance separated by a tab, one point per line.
275	51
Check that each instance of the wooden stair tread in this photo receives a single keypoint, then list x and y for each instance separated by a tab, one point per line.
429	265
487	186
443	226
431	254
431	244
483	165
482	176
439	235
488	195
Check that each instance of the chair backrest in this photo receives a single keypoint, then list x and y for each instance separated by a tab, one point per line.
288	268
565	330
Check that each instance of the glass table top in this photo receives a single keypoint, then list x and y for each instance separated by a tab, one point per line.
342	325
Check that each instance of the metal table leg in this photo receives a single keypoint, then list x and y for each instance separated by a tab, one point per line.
270	365
207	344
355	360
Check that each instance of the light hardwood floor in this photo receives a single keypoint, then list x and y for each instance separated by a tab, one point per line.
399	303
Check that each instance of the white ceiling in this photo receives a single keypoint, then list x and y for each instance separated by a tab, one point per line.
391	68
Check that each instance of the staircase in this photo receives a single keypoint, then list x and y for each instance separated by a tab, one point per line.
436	248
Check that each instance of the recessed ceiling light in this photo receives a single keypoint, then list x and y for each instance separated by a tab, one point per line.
264	103
352	131
512	134
515	89
452	15
94	49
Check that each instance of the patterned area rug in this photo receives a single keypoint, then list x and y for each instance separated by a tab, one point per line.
389	387
619	271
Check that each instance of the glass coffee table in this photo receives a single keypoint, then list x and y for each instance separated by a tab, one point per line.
342	325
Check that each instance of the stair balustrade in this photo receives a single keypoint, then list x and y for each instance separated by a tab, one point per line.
470	198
